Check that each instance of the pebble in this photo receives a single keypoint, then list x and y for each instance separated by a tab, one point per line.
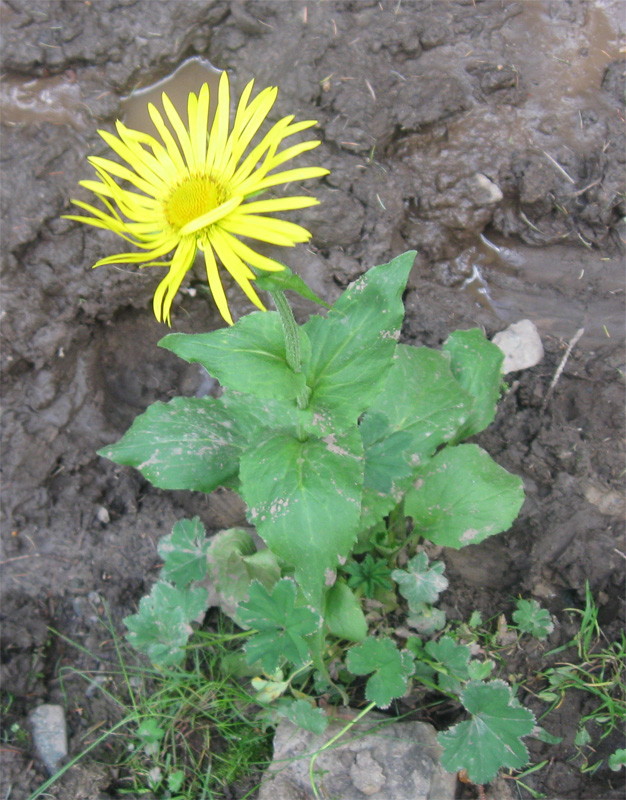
521	345
49	731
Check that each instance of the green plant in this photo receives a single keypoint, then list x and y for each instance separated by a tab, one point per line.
599	670
342	442
184	734
346	446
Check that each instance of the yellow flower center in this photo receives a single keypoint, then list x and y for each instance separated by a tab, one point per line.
195	196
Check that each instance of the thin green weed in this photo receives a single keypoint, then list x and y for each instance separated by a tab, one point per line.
186	734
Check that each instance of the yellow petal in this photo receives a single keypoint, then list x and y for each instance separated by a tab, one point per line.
210	217
215	283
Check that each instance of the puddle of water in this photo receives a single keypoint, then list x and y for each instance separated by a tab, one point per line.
188	77
559	288
563	65
57	100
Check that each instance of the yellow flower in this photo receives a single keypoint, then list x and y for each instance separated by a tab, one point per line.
195	192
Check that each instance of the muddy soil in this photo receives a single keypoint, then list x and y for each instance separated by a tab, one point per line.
488	135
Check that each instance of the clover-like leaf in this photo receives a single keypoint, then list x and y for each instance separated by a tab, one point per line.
617	760
391	667
532	618
280	624
304	715
420	583
161	627
454	660
426	619
184	552
492	737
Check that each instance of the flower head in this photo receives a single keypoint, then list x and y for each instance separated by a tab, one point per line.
194	191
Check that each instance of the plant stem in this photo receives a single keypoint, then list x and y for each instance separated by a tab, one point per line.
332	741
292	341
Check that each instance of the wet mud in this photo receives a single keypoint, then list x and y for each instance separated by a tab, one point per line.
488	135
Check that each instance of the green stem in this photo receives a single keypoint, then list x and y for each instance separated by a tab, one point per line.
292	341
332	741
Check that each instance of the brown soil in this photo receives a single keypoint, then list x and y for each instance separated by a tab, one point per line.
414	99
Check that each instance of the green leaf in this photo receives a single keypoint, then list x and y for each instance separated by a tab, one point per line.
422	398
352	348
391	667
369	574
420	407
455	660
480	670
492	737
161	627
233	563
420	583
304	499
149	731
286	280
248	356
385	453
426	619
477	365
532	618
543	736
184	552
304	715
617	760
281	626
462	496
188	443
343	613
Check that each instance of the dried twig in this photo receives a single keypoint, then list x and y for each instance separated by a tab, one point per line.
561	367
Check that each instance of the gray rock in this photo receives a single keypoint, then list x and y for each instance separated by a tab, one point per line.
521	345
394	761
49	731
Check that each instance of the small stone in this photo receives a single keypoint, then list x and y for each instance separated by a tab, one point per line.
49	735
487	192
521	345
103	515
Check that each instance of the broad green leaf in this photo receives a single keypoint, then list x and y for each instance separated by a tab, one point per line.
462	496
617	760
391	667
422	398
420	407
304	499
385	453
454	659
533	619
353	346
184	552
281	626
161	627
420	583
343	613
248	356
232	563
188	443
492	737
477	365
304	715
286	280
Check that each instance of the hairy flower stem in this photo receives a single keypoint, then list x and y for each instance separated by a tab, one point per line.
292	341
